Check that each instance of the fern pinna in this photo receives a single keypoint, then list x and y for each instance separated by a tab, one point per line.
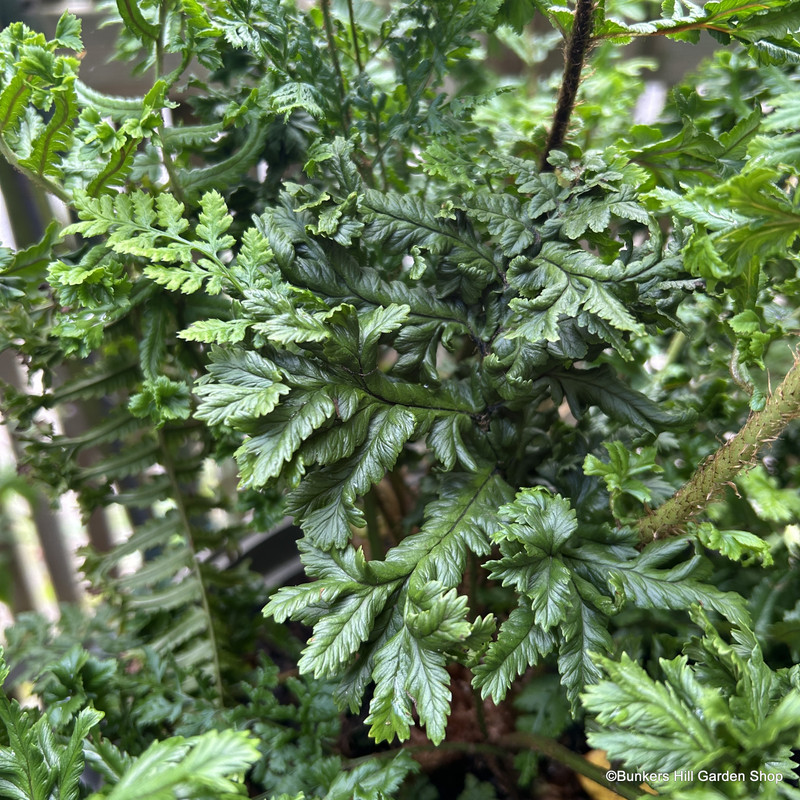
435	338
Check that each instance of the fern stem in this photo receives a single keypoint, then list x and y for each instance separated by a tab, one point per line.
379	153
166	158
574	57
354	32
577	763
373	531
480	713
722	466
504	747
674	350
326	18
162	20
169	468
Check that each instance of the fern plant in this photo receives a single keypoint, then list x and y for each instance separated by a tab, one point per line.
480	346
36	763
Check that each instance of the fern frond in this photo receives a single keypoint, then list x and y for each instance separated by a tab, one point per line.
325	503
35	766
418	576
194	182
504	219
117	108
13	101
213	762
58	133
136	226
116	170
177	138
405	221
520	643
562	281
136	22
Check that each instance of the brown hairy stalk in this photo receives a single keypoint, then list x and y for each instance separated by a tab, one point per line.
574	57
721	467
